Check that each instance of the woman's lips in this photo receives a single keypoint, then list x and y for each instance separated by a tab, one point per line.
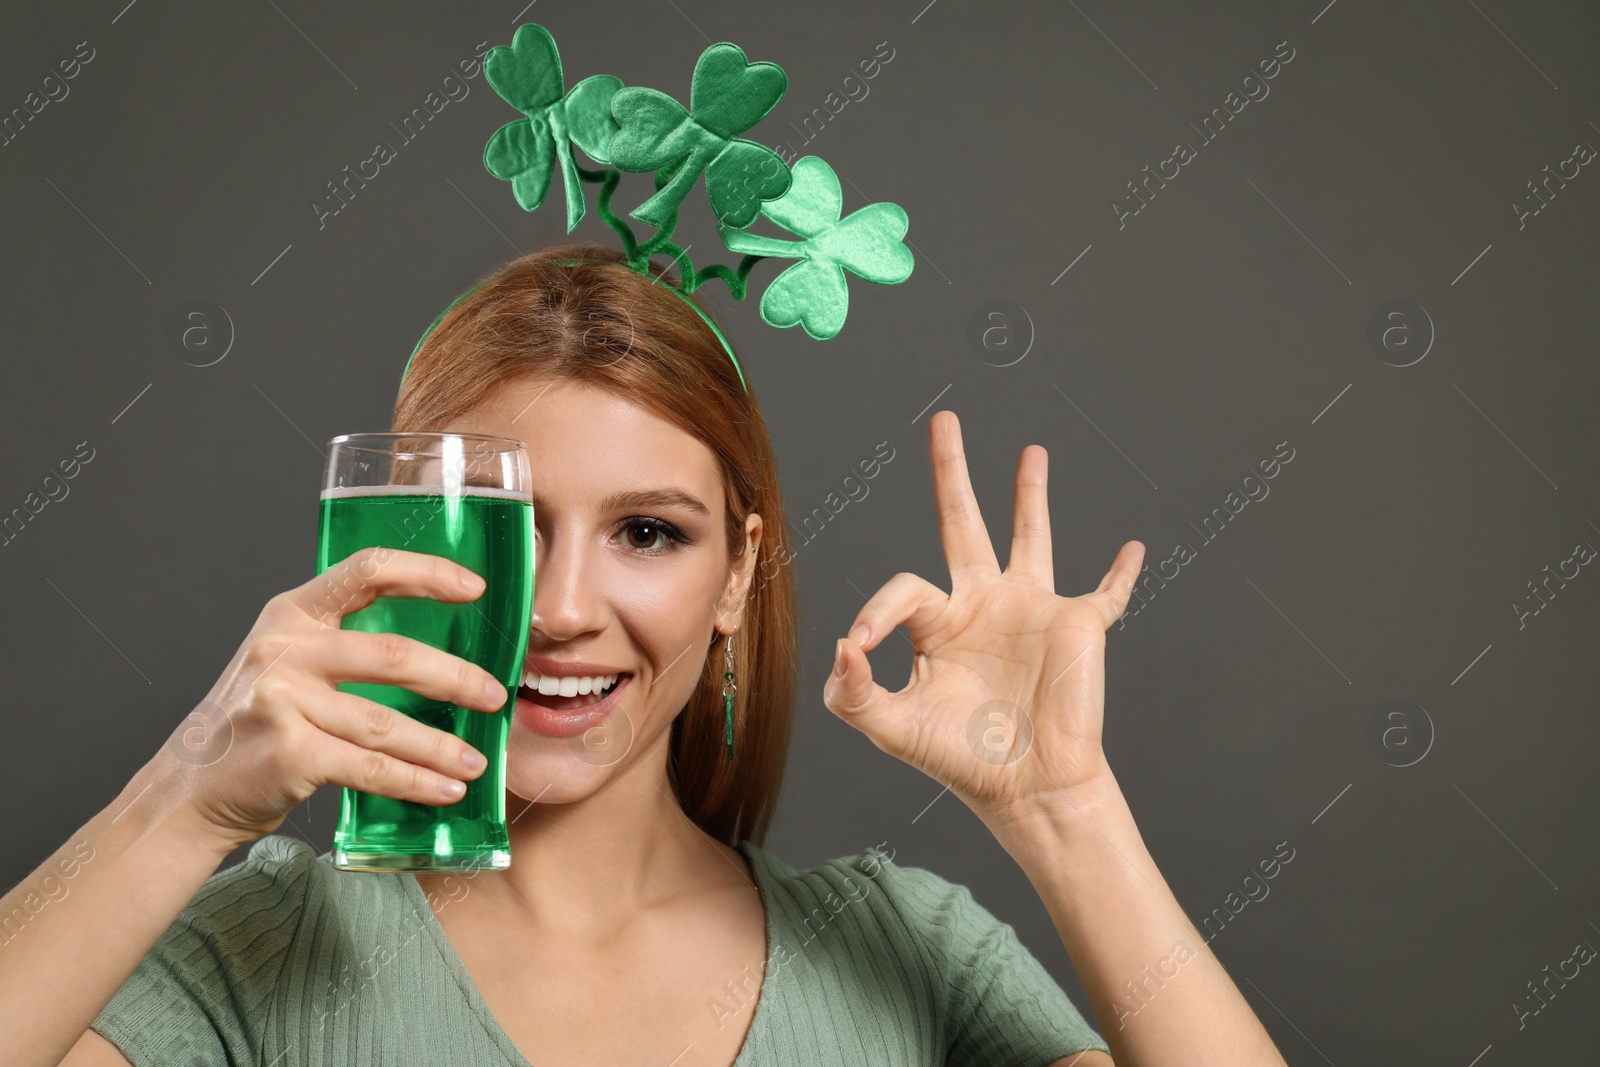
565	722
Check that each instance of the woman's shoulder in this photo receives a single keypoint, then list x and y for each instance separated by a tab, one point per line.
284	947
279	874
271	883
256	910
907	907
926	936
283	876
256	906
202	988
918	889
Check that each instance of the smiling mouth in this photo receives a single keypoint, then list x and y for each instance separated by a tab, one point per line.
572	703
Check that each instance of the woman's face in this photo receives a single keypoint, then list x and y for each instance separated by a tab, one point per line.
632	577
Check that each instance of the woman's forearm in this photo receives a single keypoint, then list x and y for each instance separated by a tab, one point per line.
74	930
1161	996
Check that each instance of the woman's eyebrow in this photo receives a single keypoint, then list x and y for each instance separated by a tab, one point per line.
649	498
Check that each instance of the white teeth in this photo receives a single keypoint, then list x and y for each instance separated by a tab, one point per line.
567	685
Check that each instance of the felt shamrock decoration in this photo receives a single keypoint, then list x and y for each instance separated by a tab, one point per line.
727	96
867	242
636	129
528	76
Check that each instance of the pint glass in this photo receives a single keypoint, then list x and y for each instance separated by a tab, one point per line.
466	497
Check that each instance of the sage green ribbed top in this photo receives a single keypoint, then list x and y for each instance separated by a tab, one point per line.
283	961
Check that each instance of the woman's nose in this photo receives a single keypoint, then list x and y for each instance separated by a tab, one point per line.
567	601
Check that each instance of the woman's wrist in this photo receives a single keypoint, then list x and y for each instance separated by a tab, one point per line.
1076	844
158	803
1057	819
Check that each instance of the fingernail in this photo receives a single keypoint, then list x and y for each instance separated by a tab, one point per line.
474	760
470	582
859	633
495	692
838	659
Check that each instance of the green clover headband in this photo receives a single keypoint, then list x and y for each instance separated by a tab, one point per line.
636	129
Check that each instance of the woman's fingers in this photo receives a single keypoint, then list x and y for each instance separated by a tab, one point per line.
967	548
348	764
1031	557
365	575
850	692
370	725
906	599
394	659
1116	588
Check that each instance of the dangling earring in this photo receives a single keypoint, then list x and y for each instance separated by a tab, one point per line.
728	689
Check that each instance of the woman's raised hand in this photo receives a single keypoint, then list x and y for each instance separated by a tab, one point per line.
1007	692
275	727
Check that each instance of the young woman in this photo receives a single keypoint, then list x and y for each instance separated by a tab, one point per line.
642	921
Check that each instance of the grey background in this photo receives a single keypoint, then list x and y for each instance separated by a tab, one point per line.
1175	354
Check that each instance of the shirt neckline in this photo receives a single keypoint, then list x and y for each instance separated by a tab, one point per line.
480	1007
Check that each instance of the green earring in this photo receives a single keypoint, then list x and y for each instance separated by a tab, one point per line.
728	689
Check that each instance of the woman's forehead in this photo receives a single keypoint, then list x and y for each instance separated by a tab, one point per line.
588	441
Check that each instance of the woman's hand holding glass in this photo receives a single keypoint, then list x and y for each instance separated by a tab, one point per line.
282	726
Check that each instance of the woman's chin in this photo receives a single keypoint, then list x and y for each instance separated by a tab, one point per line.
564	769
549	776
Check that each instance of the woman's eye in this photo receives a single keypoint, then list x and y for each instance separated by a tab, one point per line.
652	536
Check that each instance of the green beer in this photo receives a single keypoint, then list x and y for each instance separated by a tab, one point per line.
489	531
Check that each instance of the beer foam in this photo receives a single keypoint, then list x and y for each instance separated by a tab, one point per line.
346	491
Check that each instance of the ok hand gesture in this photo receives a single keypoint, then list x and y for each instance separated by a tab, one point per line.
1007	692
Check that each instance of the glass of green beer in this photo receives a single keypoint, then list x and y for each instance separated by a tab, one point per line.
467	497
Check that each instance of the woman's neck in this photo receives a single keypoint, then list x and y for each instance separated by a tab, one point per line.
586	866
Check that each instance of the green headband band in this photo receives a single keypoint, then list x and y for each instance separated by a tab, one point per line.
639	130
